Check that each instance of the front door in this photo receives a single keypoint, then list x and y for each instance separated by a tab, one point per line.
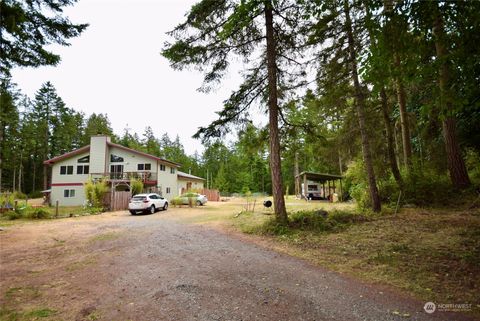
116	171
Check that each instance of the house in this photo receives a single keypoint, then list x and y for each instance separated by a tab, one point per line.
188	182
118	165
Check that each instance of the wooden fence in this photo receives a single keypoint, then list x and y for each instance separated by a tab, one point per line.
212	195
118	201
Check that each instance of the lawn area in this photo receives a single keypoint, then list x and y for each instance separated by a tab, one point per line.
431	253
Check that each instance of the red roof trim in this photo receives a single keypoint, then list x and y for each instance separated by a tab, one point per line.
142	153
67	155
67	184
87	148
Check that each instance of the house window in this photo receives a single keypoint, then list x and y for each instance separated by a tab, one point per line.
116	159
66	170
116	171
162	167
144	167
85	159
83	169
69	193
172	170
168	190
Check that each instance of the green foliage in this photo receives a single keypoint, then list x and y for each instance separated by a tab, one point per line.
322	221
176	201
96	124
14	215
422	187
314	221
35	194
192	198
20	196
39	213
95	192
136	186
472	161
7	200
356	185
29	28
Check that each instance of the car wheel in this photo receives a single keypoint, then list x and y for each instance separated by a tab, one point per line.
199	203
152	209
165	206
133	212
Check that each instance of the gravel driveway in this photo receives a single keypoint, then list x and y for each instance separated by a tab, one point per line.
151	267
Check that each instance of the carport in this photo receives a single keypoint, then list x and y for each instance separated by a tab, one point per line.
326	180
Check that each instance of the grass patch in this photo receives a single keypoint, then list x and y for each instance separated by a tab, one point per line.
26	212
41	313
21	294
30	315
80	264
318	221
105	237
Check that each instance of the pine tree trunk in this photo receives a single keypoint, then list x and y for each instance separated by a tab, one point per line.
1	166
456	164
360	104
275	163
402	103
390	140
297	175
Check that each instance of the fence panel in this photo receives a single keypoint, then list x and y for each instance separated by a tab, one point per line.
119	201
213	195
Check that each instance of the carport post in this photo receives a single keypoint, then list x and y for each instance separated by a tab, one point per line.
305	188
341	191
329	192
56	209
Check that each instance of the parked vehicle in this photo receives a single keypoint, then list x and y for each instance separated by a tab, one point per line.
148	203
198	199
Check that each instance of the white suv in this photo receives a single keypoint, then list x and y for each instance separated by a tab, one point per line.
149	203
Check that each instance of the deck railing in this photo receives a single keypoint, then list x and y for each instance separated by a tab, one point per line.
126	176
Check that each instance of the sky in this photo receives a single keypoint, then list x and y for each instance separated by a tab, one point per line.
115	67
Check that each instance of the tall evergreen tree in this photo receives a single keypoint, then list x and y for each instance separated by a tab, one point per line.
28	27
97	124
216	31
9	123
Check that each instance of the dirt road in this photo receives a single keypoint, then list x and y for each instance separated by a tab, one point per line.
151	267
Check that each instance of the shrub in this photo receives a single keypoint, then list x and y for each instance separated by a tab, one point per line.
422	187
136	186
271	227
472	161
20	196
39	213
176	201
322	221
314	221
95	192
7	200
192	198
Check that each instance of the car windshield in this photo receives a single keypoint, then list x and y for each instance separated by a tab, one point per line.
138	198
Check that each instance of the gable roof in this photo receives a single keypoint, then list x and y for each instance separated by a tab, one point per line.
189	176
80	150
87	149
143	154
